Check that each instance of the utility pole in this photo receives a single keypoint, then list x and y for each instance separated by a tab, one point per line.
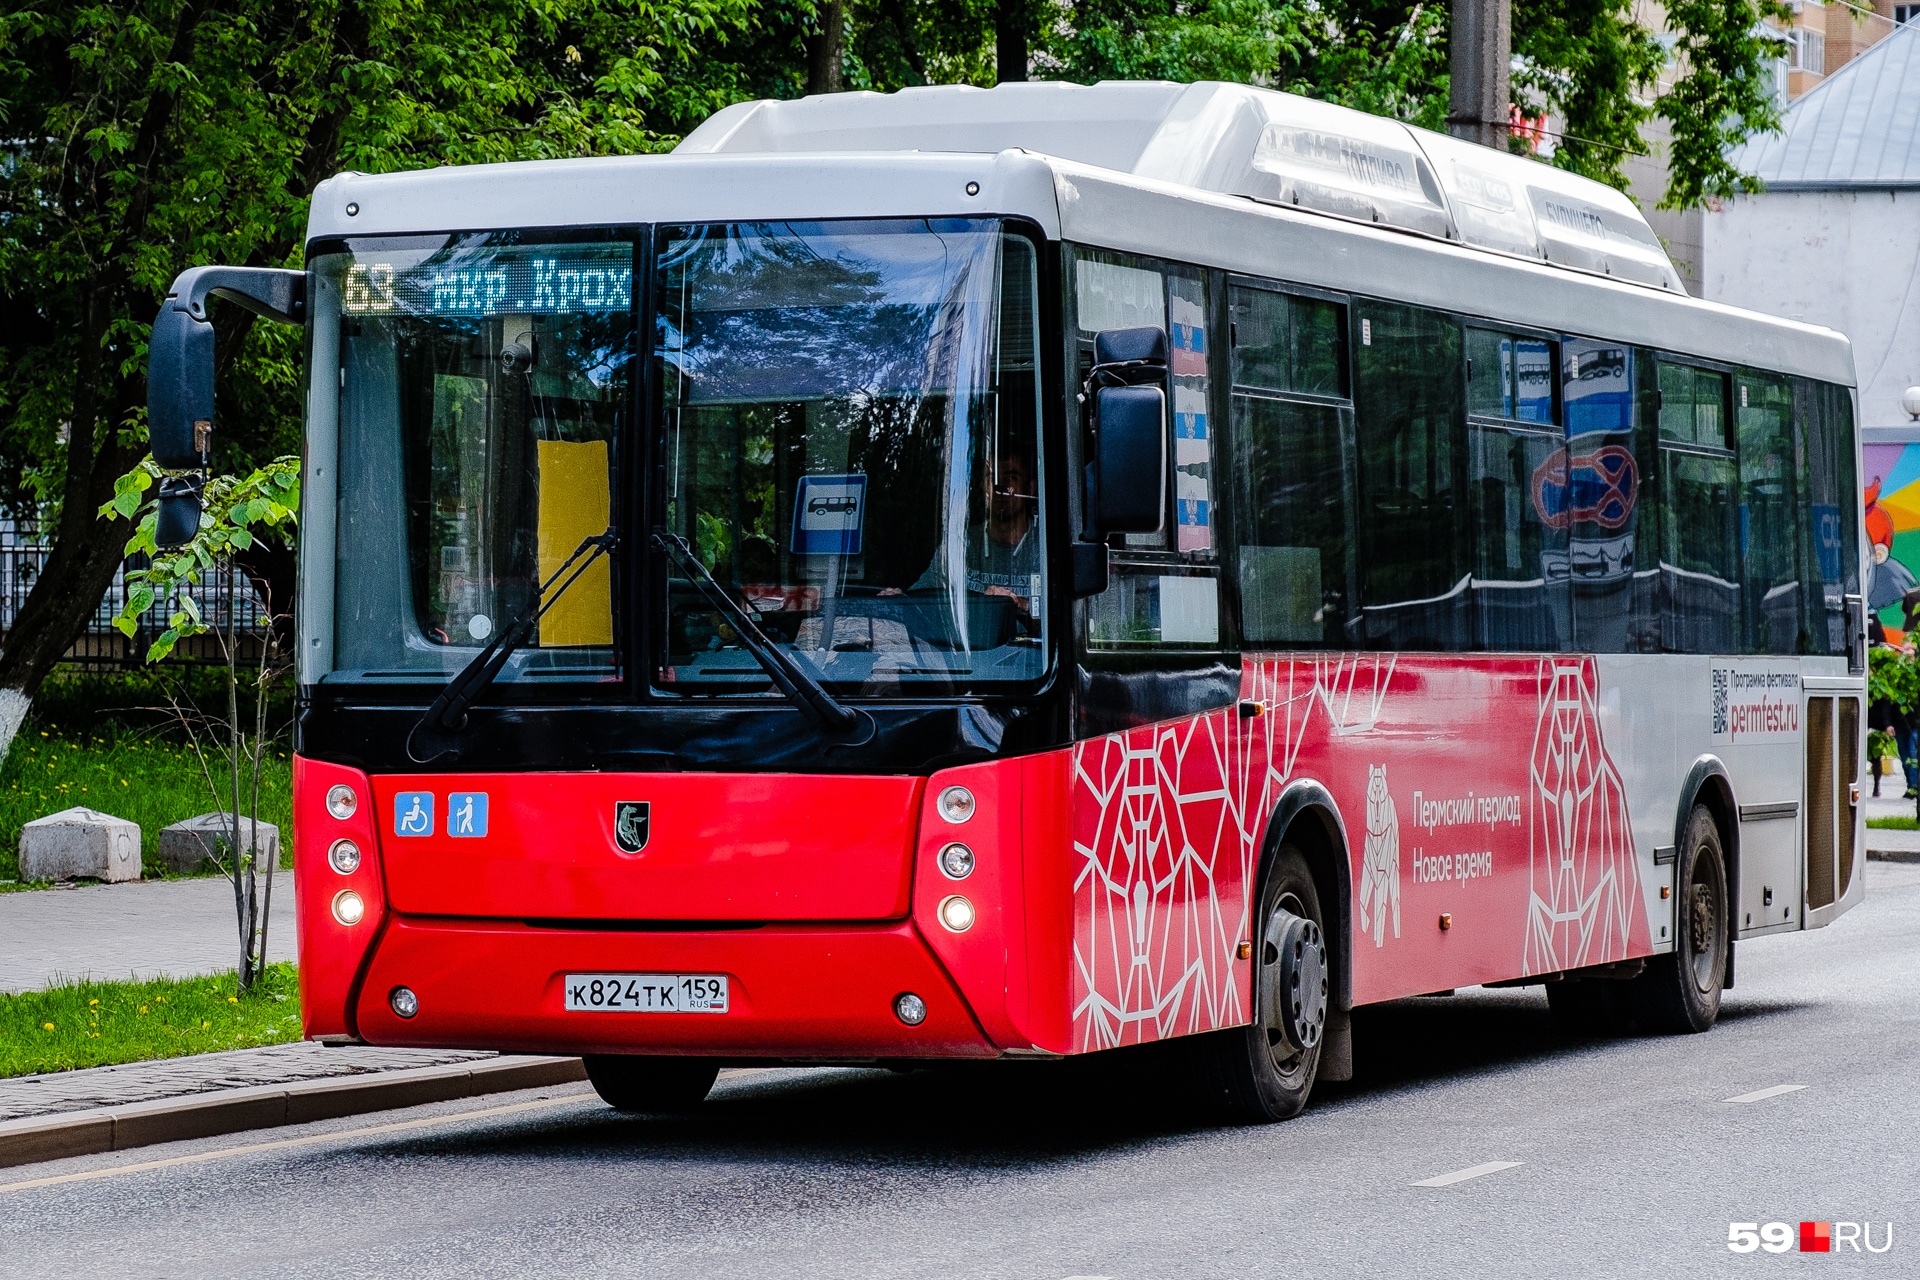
1480	106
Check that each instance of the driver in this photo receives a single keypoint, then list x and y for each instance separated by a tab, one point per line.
1003	550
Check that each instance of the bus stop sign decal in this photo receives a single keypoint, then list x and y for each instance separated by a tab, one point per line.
828	515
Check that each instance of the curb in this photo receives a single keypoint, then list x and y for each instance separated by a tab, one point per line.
1893	855
206	1115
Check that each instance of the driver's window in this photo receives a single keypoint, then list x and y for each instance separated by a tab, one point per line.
1164	588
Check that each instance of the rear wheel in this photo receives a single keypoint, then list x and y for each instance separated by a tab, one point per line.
627	1082
1263	1072
1680	991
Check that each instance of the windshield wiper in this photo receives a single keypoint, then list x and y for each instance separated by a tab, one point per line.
447	714
788	676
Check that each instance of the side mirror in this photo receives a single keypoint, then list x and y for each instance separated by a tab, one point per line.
179	388
180	352
177	515
1131	453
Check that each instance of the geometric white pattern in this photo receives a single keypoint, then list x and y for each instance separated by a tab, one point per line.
1167	821
1584	881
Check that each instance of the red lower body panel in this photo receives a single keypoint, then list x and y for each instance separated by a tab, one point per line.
796	991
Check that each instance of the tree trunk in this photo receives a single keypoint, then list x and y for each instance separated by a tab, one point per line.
1010	31
826	50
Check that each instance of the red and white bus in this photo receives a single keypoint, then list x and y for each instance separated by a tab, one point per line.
1017	573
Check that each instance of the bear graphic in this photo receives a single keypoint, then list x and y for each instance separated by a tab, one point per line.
1380	860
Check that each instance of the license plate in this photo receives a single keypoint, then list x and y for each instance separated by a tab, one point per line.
647	992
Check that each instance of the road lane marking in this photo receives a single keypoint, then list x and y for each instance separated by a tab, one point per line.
283	1144
1761	1095
1445	1179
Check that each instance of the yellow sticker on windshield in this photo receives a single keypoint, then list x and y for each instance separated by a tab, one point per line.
574	504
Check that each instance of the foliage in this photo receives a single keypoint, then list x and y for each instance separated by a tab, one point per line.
1893	676
232	508
141	777
97	1024
1721	98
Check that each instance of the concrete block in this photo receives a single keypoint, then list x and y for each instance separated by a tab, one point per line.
80	842
189	845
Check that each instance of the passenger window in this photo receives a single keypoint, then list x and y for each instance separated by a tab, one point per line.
1769	514
1164	589
1699	554
1408	404
1289	459
1282	342
1829	490
1693	405
1611	542
1509	376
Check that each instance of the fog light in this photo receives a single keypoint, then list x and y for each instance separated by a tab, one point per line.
404	1002
348	908
956	861
341	802
956	804
956	913
344	857
910	1008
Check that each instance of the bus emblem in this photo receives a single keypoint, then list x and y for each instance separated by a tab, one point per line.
630	822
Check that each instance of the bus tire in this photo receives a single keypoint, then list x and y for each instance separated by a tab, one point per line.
1680	991
629	1082
1263	1072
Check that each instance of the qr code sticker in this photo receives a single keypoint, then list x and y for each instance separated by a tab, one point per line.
1721	679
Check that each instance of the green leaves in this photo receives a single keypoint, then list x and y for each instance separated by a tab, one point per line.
235	512
1893	676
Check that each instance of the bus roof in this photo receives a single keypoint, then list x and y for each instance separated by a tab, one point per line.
1152	170
1235	140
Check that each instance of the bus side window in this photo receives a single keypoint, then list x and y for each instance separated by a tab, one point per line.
1523	494
1611	545
1699	533
1164	589
1411	520
1769	513
1828	492
1293	505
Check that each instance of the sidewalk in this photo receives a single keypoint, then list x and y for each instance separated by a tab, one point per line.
172	928
1891	846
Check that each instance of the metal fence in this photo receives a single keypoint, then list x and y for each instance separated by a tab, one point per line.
226	596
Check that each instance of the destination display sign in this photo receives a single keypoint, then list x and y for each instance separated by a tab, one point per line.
492	280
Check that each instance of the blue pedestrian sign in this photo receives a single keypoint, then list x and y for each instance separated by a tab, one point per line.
413	813
467	813
828	515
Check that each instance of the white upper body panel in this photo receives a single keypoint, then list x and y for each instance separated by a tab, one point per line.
1242	179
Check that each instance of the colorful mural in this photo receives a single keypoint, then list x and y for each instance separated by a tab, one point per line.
1892	500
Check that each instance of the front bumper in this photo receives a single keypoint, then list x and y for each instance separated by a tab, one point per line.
796	991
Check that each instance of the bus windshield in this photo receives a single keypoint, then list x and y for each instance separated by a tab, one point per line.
850	413
483	395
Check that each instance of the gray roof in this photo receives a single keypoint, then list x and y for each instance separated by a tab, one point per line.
1859	128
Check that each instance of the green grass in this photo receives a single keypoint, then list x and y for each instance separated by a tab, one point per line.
97	1024
149	779
1893	824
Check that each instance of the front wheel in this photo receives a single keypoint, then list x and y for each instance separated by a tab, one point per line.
1263	1072
1680	991
627	1082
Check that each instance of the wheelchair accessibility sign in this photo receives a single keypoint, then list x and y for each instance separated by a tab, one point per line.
413	813
829	513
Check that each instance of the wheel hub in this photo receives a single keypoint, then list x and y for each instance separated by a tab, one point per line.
1294	981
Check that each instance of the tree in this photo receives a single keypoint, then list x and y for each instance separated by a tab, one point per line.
153	135
238	514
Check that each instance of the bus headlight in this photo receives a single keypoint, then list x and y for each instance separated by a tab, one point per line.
956	913
341	802
956	862
348	907
956	804
344	857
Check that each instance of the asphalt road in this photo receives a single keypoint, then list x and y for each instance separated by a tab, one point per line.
1628	1160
